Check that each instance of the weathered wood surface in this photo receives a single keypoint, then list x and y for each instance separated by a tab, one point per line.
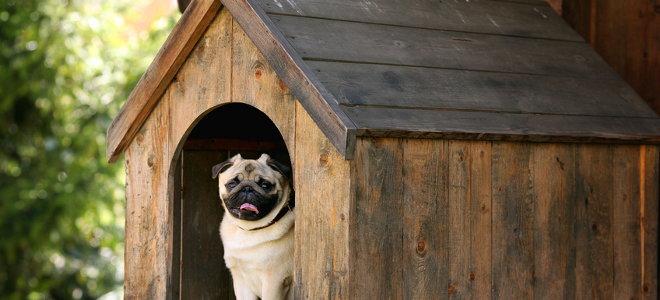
254	82
204	274
513	222
414	123
426	231
322	185
470	221
593	229
553	173
288	65
156	79
502	18
376	234
438	49
193	91
650	174
148	252
626	35
421	87
518	220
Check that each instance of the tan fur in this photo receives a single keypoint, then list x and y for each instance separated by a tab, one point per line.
261	261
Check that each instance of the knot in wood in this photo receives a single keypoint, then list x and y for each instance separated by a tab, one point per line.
421	246
257	73
324	159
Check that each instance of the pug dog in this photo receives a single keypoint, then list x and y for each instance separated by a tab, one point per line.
258	226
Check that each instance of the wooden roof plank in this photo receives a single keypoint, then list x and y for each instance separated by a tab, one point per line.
502	126
505	18
386	85
320	39
289	66
155	80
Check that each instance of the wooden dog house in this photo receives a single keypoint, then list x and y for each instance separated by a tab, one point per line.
440	149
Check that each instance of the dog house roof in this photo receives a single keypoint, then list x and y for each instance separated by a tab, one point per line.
466	69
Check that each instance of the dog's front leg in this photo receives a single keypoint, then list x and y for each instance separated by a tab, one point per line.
278	288
242	290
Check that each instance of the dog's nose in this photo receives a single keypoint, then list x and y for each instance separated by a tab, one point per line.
247	189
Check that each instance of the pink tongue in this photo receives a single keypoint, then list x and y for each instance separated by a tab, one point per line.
250	207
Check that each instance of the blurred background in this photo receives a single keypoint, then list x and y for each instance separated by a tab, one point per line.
66	66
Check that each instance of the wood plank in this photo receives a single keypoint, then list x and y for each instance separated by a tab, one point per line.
425	220
204	274
377	227
650	176
625	34
459	219
593	230
553	179
148	254
203	81
626	225
470	275
288	65
480	220
176	196
155	80
408	87
438	49
507	18
413	123
513	221
255	83
323	214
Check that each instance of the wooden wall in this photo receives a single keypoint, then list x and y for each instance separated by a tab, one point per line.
438	219
627	35
226	67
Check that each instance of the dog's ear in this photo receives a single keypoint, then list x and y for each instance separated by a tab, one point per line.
279	167
221	167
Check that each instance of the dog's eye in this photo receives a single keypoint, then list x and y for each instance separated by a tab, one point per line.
266	185
232	184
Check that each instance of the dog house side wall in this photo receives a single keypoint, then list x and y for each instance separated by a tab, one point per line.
224	67
442	218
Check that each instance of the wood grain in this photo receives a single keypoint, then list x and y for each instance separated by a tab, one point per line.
649	178
148	253
155	80
513	221
288	65
203	271
481	220
254	82
415	123
438	49
626	222
411	87
323	214
458	224
376	235
425	220
505	18
553	179
193	93
626	35
593	233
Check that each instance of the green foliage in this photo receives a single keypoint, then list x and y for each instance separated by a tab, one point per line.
65	69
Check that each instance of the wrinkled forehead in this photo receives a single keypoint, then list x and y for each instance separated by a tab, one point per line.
250	169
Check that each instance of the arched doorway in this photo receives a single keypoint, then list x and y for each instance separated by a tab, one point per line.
198	268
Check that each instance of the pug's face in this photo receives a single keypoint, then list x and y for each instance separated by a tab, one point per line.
251	189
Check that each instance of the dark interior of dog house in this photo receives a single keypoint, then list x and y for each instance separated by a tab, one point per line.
199	270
